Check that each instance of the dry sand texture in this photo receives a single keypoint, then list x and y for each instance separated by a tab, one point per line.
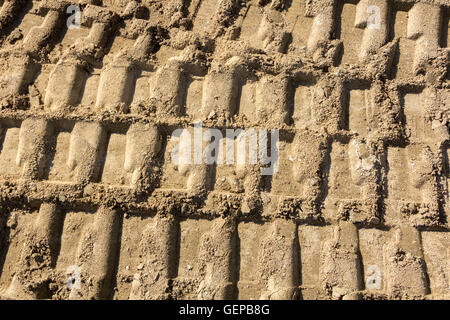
93	207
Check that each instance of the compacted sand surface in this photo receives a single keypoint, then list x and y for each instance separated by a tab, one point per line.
94	207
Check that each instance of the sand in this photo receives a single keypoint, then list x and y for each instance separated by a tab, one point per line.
93	207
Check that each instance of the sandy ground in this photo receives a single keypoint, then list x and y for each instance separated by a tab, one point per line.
93	207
